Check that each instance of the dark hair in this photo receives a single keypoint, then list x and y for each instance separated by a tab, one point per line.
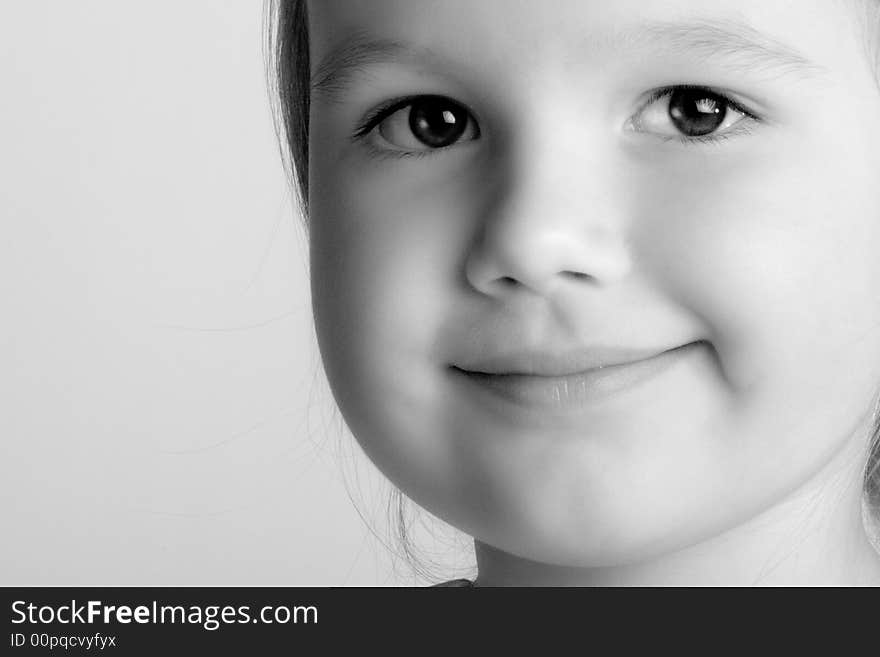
289	77
287	43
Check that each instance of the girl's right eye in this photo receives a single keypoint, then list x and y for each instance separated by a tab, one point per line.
419	124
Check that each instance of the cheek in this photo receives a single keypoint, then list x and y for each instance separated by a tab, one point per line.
385	251
387	242
777	252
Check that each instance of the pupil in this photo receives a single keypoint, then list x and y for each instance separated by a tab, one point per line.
437	122
696	112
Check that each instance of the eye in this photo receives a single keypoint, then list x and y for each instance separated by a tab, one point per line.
422	123
691	114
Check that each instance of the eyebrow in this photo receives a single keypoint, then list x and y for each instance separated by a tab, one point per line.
735	45
345	62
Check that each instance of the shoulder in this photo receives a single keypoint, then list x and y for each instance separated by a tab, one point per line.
455	582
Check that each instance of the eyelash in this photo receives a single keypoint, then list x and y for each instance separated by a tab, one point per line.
385	110
743	127
381	113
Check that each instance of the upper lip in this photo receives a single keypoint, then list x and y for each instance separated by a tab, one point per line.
542	362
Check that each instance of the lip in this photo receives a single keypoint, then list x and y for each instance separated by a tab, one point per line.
558	364
554	382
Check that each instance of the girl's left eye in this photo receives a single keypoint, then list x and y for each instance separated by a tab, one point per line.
421	123
691	114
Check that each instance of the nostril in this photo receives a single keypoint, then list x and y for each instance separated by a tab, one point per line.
512	283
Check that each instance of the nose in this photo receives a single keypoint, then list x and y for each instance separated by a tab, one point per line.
553	216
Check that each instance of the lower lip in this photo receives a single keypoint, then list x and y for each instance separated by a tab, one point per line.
554	393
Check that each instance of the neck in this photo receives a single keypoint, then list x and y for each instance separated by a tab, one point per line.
816	536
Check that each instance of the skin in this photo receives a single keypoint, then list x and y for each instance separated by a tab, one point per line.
563	223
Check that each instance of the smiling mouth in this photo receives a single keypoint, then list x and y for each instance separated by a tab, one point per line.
547	384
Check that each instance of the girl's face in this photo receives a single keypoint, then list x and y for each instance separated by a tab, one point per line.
506	197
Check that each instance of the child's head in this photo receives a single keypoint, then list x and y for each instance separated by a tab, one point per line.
502	196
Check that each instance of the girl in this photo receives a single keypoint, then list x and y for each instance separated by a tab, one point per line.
599	285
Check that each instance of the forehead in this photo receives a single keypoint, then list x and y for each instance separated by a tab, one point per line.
506	34
538	24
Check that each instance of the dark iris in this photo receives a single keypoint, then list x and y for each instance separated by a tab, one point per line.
696	112
437	122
